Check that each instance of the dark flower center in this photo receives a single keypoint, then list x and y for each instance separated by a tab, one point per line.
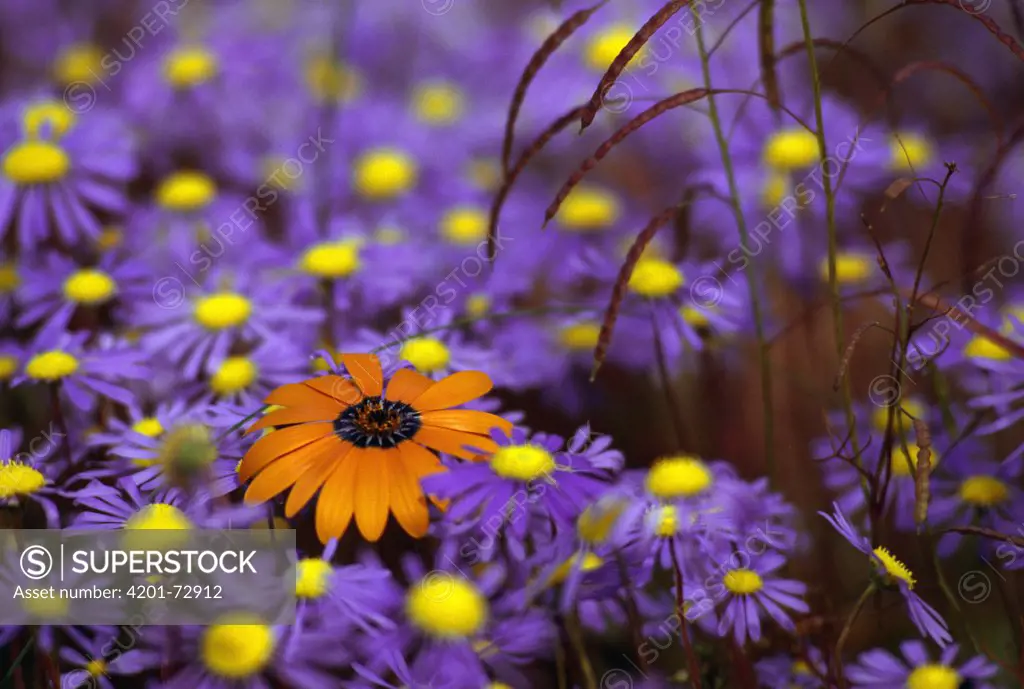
377	422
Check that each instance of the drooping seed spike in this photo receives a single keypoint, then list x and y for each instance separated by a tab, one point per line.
513	174
625	55
611	314
539	58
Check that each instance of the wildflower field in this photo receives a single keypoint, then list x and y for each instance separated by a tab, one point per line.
627	345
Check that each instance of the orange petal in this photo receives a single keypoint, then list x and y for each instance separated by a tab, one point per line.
279	444
407	502
366	372
456	389
407	384
372	492
300	395
452	442
335	504
291	416
419	461
324	464
469	420
337	388
281	475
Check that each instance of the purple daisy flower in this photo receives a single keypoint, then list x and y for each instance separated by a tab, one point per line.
352	594
894	573
58	288
127	507
66	167
971	488
196	453
83	373
151	424
201	330
374	270
98	656
242	652
243	380
194	219
451	619
30	477
530	478
755	589
881	669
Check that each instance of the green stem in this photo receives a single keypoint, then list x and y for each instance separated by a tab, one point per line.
752	276
841	642
830	214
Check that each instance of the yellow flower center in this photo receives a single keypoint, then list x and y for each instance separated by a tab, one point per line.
910	152
932	676
17	478
850	268
899	461
384	173
96	667
522	462
791	149
187	449
654	278
331	260
234	375
984	491
484	173
678	477
668	521
110	238
694	316
36	162
149	426
390	236
237	648
52	365
776	187
914	407
582	336
158	517
312	578
89	286
589	563
186	191
447	607
595	523
48	117
742	582
328	80
10	280
893	567
606	45
46	608
800	667
477	305
438	103
223	310
980	347
190	66
78	62
588	208
8	366
464	226
425	353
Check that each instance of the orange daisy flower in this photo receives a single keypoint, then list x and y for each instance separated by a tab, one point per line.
365	450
